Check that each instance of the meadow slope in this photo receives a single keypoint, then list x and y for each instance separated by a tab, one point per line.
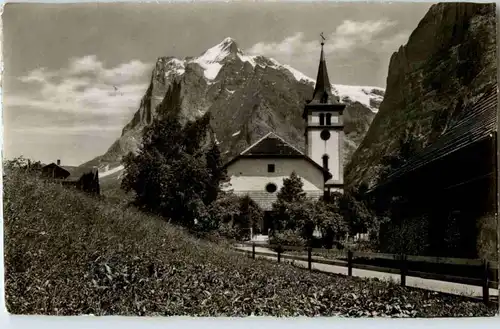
70	254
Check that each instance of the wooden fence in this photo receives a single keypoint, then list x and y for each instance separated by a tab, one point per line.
486	271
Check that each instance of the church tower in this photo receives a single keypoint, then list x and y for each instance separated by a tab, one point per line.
325	128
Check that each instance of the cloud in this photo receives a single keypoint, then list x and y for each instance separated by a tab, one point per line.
85	87
69	130
348	37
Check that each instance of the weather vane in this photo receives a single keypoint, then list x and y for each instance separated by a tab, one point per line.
322	38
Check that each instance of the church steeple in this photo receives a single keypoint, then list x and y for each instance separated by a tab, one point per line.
324	133
323	90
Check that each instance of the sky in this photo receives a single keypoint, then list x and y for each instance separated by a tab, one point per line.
62	62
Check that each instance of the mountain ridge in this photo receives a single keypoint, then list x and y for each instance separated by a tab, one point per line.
447	64
248	96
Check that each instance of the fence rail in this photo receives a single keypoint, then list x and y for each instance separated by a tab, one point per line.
487	271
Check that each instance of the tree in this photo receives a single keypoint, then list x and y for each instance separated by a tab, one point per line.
355	214
330	222
235	215
24	164
177	170
287	207
216	172
292	189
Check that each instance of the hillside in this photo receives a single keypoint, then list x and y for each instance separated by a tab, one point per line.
449	62
248	96
69	254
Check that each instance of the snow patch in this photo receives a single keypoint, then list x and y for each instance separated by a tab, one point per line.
210	69
236	133
112	171
210	59
298	75
246	58
230	91
361	94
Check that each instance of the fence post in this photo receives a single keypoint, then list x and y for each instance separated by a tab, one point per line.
309	260
349	262
253	250
403	268
279	253
486	286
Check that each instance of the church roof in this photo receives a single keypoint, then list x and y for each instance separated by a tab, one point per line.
323	88
265	200
475	124
273	146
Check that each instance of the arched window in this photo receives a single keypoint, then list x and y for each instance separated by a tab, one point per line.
328	119
321	119
325	161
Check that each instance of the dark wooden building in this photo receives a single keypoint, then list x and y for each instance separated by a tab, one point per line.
55	171
82	178
452	183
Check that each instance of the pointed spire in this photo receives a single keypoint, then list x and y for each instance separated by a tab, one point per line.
323	90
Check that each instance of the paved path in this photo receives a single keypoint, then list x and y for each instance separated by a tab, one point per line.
428	284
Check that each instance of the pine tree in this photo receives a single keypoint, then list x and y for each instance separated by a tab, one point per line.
286	206
216	171
292	190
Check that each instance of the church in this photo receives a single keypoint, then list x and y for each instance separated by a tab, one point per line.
259	170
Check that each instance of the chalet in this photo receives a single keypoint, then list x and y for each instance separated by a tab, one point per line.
259	170
55	171
82	178
456	176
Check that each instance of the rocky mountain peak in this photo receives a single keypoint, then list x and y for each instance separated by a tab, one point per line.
248	97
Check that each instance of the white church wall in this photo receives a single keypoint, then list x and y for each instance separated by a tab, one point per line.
252	173
332	147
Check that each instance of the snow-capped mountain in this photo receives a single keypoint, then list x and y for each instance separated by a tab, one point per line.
248	96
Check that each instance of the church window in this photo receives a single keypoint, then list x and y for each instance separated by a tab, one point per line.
321	119
328	119
271	188
270	167
325	135
325	161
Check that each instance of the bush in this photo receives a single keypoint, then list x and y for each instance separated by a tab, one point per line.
487	241
233	216
408	236
287	238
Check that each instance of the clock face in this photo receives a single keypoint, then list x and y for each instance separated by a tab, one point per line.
325	135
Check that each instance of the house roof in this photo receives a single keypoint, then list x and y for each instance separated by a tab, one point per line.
272	145
53	168
265	200
77	172
476	123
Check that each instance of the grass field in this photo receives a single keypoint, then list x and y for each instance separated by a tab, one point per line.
69	254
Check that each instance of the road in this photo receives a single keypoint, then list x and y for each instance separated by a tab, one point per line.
428	284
